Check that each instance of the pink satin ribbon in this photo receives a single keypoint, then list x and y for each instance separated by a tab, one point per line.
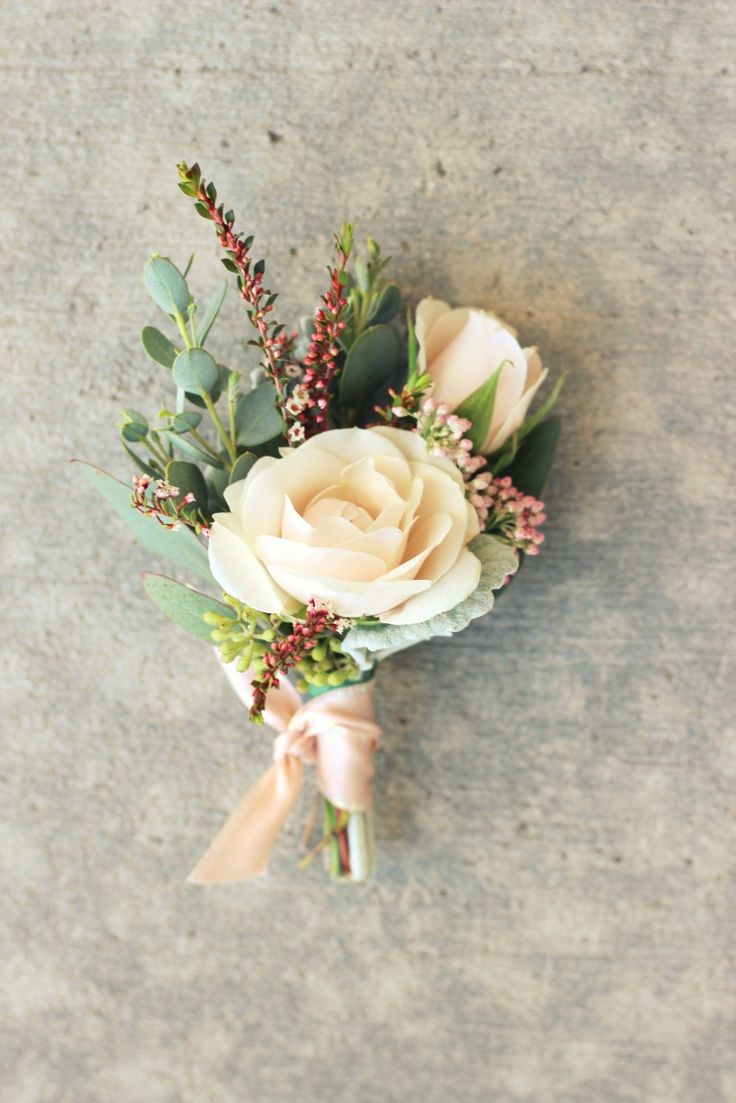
336	732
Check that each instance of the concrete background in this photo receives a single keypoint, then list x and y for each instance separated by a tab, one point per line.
553	916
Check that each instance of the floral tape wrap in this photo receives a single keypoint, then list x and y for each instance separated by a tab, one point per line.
336	732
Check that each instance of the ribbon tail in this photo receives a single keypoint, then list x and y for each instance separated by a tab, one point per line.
243	845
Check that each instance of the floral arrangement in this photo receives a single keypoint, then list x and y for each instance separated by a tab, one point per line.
374	486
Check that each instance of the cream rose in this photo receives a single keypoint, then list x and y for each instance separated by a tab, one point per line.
462	348
363	519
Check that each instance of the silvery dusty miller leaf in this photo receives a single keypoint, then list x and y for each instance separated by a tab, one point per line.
368	644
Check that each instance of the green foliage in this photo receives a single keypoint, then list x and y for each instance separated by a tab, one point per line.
189	448
133	426
478	408
190	480
370	363
531	466
179	545
166	286
211	311
196	372
497	561
158	347
242	466
511	447
387	305
257	418
185	606
371	299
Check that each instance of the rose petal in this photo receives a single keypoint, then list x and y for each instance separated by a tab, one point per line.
241	574
454	586
262	503
428	312
348	599
415	449
515	418
480	347
352	566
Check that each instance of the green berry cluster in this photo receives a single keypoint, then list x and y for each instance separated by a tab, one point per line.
326	665
245	636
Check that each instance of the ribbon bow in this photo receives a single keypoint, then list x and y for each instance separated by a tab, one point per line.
336	732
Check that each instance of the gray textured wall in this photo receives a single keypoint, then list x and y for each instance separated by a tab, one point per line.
552	918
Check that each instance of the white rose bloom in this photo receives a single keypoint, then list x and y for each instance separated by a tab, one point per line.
365	520
462	348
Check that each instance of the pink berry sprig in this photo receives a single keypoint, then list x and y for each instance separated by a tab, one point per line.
273	341
307	406
286	651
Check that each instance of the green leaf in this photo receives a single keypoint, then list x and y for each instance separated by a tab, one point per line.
211	311
242	466
257	418
189	479
133	426
368	643
185	606
184	423
370	363
533	461
166	285
140	463
196	372
158	347
411	347
387	305
189	448
478	408
179	545
544	409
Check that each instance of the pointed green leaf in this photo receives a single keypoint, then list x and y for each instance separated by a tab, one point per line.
478	408
211	311
189	479
140	463
158	347
387	305
370	363
242	466
196	371
189	448
179	545
503	457
185	606
166	285
257	418
533	461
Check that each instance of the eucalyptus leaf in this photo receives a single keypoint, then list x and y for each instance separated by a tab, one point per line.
166	285
185	422
141	464
158	347
478	409
387	305
370	643
242	466
179	545
257	418
189	448
196	372
133	426
369	364
185	606
211	311
189	480
533	461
